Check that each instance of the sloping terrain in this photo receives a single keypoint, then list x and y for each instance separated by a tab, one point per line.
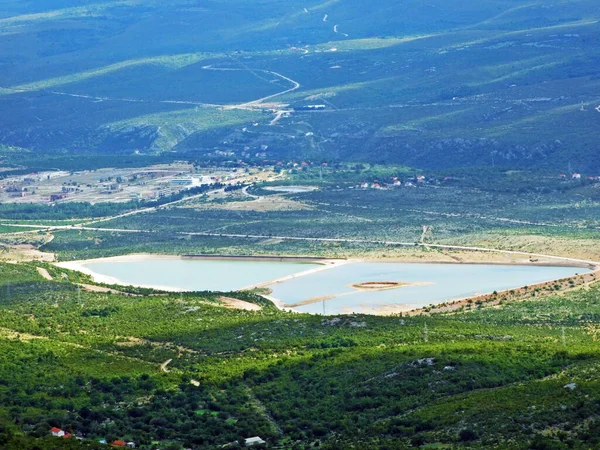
522	375
438	84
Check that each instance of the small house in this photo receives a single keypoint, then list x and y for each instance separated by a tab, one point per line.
576	176
254	441
118	443
57	432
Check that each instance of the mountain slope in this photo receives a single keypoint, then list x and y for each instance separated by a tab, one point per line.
440	84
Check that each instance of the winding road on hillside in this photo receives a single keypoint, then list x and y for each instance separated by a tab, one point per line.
118	99
336	30
253	104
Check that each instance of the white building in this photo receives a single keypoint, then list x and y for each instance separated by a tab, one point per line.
251	442
185	181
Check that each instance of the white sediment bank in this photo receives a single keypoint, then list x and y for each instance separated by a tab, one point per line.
318	265
81	266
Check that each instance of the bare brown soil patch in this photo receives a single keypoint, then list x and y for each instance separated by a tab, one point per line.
378	285
102	289
384	285
234	303
23	253
45	274
263	204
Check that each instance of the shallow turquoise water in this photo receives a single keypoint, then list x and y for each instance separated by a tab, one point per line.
197	275
444	281
449	281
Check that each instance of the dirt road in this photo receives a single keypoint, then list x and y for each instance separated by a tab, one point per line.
163	366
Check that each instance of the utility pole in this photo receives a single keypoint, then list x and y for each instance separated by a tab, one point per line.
564	341
425	333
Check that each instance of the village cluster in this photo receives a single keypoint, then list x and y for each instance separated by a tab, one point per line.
578	176
255	441
57	432
395	182
418	180
109	185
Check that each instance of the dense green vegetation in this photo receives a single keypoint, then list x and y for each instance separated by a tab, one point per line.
487	378
27	161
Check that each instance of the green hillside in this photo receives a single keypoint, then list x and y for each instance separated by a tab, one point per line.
183	372
454	83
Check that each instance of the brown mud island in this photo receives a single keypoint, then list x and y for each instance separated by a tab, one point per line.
378	285
364	286
385	285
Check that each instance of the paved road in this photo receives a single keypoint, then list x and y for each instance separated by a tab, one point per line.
257	102
248	105
152	209
330	240
86	227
